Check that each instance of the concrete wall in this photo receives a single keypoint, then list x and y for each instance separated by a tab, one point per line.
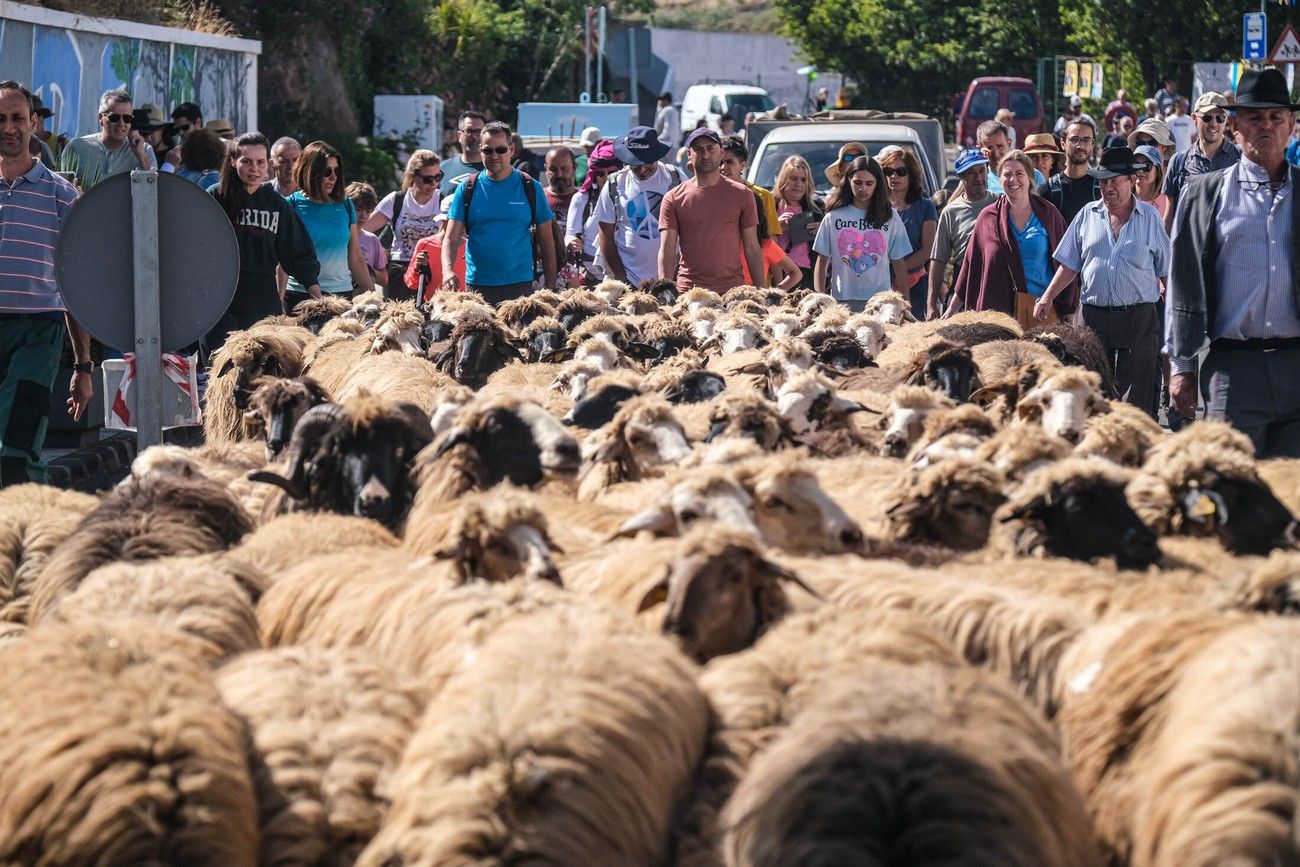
69	60
698	56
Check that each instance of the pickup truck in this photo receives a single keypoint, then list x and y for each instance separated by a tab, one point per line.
818	139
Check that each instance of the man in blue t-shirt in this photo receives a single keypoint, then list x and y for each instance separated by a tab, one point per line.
499	260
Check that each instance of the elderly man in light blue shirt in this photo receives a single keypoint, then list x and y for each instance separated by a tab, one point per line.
1119	248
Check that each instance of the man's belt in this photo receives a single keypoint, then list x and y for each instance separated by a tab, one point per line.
1255	344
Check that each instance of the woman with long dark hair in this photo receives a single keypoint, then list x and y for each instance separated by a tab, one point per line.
861	244
907	195
269	235
331	220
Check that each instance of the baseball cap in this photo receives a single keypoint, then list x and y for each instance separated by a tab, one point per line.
39	108
704	132
1209	101
1152	155
1154	127
148	117
590	137
969	158
640	146
1076	101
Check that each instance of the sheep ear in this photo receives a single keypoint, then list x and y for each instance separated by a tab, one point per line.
560	355
444	360
1098	404
832	372
641	351
1030	406
455	437
1027	510
660	521
715	429
226	368
655	595
989	393
843	404
780	573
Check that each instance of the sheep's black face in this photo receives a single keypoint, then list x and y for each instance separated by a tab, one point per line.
667	347
1246	515
1094	522
478	356
543	345
571	316
697	386
599	409
505	443
314	322
372	471
267	366
953	375
964	521
436	331
843	354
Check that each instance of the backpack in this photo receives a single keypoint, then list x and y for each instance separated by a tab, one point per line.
530	194
388	234
612	185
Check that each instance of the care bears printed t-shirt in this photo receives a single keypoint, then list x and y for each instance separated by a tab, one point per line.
860	253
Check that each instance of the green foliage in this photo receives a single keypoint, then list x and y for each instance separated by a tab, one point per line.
914	54
373	161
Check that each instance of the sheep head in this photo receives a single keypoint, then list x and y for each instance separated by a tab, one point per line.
248	356
812	305
950	503
780	324
577	308
1063	402
599	407
889	307
398	329
572	378
869	332
643	438
313	313
638	303
521	313
711	495
480	347
807	402
792	510
610	290
946	367
354	458
721	593
749	415
694	386
663	291
500	536
666	338
904	420
1076	508
275	408
545	340
735	332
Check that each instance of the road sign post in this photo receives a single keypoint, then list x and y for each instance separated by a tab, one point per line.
148	329
1254	36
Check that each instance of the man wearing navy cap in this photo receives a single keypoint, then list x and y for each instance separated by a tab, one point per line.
628	206
1236	278
955	224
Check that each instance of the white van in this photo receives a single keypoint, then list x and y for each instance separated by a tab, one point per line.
819	142
712	101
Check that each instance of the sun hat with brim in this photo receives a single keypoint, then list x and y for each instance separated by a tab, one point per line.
221	127
968	159
852	150
590	137
1042	143
1264	88
1154	127
1152	155
39	108
641	146
1114	163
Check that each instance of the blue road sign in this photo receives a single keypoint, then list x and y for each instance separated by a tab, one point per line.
1254	36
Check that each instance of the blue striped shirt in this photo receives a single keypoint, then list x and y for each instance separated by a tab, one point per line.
32	211
1116	272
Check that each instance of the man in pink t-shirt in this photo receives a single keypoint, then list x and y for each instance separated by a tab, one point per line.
707	223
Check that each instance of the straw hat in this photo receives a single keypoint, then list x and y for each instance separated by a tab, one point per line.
221	127
1042	143
848	153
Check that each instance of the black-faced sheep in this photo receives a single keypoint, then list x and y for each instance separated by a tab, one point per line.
949	503
561	743
492	536
1075	508
313	313
328	727
749	416
663	291
478	347
115	748
275	408
544	340
926	765
246	357
141	520
666	338
943	365
577	308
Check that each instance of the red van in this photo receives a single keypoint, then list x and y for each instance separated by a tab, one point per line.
987	94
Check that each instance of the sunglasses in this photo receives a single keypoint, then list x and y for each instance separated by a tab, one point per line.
500	150
848	158
119	118
429	179
1214	118
1142	168
900	172
183	128
328	172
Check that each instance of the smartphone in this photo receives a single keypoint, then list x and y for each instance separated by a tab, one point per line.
70	177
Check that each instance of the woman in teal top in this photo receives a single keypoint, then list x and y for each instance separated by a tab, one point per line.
331	220
1035	255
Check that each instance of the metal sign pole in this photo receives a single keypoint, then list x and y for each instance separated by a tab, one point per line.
148	329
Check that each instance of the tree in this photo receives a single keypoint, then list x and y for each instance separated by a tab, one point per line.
914	54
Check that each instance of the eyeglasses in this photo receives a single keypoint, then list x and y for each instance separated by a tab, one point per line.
429	179
118	118
500	150
184	128
1142	168
900	172
329	172
1214	118
473	130
1079	140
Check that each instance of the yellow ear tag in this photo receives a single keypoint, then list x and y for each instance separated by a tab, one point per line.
1203	507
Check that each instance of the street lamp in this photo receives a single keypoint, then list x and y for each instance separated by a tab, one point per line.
810	75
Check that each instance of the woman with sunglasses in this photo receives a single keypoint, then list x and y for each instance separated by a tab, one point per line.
907	195
861	244
331	220
271	238
1150	176
411	213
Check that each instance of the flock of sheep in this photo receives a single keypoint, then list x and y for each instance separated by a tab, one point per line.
622	577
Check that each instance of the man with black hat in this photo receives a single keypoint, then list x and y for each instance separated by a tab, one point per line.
1119	248
47	141
628	206
1236	278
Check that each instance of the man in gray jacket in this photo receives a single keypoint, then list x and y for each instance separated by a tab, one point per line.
1236	278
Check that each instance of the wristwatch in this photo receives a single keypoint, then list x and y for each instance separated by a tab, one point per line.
84	367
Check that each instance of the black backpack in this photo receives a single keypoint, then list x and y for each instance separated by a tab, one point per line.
530	194
389	233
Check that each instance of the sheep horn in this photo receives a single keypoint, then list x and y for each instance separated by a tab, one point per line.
782	574
294	489
307	434
418	421
657	521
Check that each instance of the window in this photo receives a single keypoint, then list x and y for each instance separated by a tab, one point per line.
1024	104
984	104
742	104
819	155
715	106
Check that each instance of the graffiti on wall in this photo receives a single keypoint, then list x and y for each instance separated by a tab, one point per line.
69	69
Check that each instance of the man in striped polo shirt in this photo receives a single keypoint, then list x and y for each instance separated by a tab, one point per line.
34	202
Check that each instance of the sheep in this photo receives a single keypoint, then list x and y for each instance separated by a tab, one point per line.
998	358
869	332
544	339
666	338
643	438
559	743
353	458
245	357
207	598
1180	741
115	748
143	520
397	329
949	503
275	408
890	307
664	291
907	340
1282	475
638	303
478	347
613	327
578	307
603	401
910	764
34	520
287	540
1198	487
366	308
807	401
781	324
1078	345
328	727
1018	449
1075	508
951	433
1000	397
944	366
573	376
904	419
837	351
495	439
784	358
694	299
1124	435
739	414
492	536
734	332
332	358
520	313
220	461
314	313
1063	402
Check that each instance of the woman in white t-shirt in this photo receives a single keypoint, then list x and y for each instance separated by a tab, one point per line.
416	217
861	244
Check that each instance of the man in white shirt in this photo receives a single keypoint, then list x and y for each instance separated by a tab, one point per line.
628	207
1180	123
668	123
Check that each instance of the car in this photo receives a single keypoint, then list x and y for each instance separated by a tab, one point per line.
987	94
712	101
819	142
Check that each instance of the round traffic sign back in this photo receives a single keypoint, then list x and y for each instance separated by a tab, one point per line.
198	262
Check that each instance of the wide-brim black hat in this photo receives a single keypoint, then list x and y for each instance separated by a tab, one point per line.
1263	88
1115	163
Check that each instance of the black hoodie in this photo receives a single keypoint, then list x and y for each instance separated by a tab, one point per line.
271	233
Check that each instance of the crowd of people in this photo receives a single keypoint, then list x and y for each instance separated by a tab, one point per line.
1071	226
